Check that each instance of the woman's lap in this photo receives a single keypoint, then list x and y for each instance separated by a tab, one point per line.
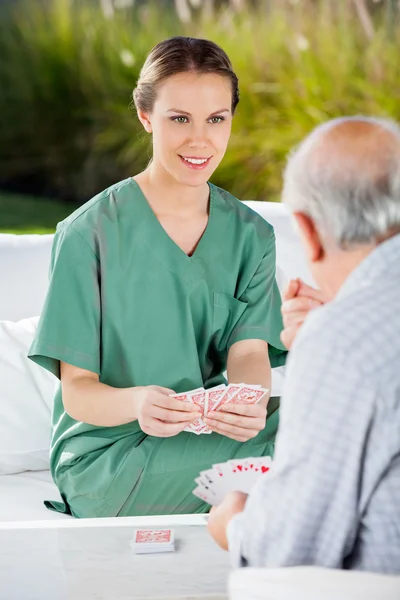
155	477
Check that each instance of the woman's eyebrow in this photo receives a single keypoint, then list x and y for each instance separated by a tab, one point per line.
177	110
218	112
183	112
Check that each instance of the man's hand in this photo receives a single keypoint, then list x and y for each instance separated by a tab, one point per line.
298	300
220	516
241	422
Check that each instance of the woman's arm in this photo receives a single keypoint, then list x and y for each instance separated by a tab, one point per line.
88	400
248	362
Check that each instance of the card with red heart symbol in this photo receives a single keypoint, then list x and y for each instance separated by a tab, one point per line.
234	475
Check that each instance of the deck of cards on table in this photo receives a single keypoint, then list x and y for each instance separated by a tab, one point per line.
215	398
147	541
236	475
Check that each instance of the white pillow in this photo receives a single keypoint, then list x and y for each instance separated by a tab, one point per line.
290	257
26	398
24	266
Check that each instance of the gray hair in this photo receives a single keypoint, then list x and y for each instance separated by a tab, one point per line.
350	204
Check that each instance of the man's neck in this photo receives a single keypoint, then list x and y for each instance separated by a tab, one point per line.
340	264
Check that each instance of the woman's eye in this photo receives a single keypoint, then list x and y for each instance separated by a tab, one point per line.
180	119
216	119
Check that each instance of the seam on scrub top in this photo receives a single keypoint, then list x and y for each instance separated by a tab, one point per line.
85	243
57	347
101	199
240	332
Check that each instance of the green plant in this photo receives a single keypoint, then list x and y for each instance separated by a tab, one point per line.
67	72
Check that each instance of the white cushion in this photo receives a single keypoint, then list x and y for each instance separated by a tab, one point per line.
22	497
290	257
24	264
26	396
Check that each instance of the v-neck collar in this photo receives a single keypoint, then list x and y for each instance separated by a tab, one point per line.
168	251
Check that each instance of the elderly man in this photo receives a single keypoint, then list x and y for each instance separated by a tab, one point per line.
333	497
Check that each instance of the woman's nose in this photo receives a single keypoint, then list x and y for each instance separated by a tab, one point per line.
198	138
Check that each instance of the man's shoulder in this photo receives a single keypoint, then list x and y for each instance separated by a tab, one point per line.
359	327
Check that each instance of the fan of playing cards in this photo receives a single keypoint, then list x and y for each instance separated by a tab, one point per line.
237	475
214	398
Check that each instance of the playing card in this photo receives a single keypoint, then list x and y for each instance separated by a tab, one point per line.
204	495
193	396
200	399
212	482
206	488
234	475
231	391
147	541
262	464
214	396
243	473
247	395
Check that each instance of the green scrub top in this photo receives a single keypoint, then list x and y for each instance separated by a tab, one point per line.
125	302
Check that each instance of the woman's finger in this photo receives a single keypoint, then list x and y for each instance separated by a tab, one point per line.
236	433
174	404
235	422
162	429
162	390
246	410
173	416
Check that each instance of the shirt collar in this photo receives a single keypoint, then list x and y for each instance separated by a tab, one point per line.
383	261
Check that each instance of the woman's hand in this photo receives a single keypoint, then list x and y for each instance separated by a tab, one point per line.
298	300
241	422
160	415
220	516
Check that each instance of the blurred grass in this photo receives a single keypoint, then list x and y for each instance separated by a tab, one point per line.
67	72
25	214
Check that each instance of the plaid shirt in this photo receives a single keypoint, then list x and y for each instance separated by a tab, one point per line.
333	499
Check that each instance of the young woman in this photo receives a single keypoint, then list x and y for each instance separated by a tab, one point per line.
158	284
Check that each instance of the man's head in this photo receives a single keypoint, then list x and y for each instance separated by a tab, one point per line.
343	186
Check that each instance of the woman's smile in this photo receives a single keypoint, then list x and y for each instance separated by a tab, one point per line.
197	163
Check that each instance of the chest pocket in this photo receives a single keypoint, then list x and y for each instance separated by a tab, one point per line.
227	312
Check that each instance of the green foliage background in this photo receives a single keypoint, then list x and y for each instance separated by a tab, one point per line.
67	72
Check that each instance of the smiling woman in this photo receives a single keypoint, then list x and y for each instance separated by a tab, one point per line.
166	281
194	135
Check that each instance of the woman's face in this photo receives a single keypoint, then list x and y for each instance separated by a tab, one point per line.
191	123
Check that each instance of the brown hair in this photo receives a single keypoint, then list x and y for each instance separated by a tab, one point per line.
181	55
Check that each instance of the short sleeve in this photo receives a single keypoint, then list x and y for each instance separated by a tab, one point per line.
69	326
262	317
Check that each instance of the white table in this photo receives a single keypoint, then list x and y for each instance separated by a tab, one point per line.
91	559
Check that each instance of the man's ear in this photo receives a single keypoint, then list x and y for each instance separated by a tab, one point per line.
310	237
144	118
